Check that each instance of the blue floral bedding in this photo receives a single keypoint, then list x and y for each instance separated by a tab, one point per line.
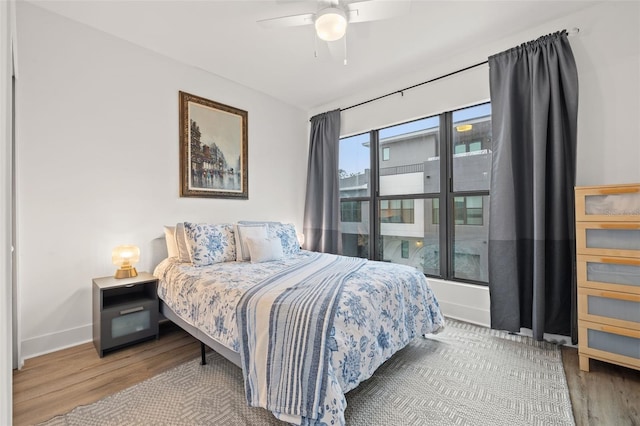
382	307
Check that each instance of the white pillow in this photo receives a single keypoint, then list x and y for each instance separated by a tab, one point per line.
170	238
244	231
264	249
181	244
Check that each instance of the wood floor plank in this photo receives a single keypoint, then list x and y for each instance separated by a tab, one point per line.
607	395
71	371
55	383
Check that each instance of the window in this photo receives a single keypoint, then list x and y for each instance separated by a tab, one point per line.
396	211
426	207
468	210
350	211
385	153
354	170
462	147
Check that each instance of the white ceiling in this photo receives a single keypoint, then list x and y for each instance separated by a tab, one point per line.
223	38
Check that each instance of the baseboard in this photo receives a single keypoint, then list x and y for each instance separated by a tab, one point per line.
55	341
464	302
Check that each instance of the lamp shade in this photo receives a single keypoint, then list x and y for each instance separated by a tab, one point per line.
124	257
331	24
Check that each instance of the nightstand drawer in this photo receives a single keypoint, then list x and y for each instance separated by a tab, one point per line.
128	323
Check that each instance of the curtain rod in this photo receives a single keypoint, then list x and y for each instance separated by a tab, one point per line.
401	91
572	32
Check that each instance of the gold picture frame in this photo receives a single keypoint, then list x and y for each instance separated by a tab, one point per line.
213	149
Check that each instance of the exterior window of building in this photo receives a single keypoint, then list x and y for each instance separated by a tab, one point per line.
405	249
462	147
468	210
386	153
350	211
396	211
427	206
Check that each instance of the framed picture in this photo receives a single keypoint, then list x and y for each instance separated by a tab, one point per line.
213	149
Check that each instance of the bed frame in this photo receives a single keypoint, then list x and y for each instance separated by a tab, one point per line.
204	339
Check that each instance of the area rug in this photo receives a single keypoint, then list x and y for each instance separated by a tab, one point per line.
466	375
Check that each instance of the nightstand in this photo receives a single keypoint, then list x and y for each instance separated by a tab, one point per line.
125	311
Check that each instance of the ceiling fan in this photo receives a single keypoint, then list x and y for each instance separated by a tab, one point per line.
334	16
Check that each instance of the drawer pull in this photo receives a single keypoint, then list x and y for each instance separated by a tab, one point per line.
620	261
132	310
611	191
608	329
619	226
619	296
619	331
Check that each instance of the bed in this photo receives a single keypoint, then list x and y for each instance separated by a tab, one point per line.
305	327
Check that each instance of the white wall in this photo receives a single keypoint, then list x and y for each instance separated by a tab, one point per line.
607	54
97	165
7	21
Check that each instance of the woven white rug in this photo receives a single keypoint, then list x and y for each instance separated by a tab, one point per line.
466	375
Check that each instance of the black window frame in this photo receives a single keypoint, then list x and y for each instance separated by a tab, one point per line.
446	197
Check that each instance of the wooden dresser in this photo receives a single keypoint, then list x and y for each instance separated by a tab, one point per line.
608	272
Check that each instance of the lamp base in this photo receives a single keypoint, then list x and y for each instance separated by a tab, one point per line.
126	273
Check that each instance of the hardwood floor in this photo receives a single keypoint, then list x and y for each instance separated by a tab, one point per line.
606	395
56	383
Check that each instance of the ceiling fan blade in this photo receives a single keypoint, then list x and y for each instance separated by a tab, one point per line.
375	10
287	21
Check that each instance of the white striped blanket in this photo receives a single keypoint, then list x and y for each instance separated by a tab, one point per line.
284	322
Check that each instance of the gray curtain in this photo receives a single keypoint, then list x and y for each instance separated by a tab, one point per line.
322	205
534	101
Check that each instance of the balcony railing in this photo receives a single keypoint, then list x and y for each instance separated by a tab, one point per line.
398	170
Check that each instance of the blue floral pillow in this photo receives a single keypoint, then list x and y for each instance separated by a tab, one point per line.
287	234
210	243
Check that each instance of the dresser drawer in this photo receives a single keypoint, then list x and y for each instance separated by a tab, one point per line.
608	239
609	307
609	273
608	203
610	343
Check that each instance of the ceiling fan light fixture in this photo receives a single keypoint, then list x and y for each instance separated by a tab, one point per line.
331	24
